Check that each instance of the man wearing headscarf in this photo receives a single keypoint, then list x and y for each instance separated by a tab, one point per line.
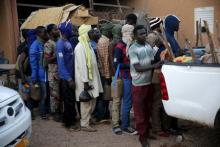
154	39
65	61
120	58
172	23
87	76
127	30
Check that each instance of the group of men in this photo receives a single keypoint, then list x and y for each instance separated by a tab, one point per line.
66	61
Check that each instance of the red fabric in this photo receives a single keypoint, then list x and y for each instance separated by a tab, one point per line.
124	73
142	103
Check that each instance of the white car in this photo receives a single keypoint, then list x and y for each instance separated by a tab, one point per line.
192	92
15	118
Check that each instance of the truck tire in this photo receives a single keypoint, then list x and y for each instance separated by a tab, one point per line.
217	120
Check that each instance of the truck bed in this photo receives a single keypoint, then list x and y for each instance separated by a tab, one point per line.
193	90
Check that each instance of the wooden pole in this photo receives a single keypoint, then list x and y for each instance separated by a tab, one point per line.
197	33
91	5
200	32
118	3
217	32
190	49
211	44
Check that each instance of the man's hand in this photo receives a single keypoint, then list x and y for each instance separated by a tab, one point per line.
71	84
87	87
158	64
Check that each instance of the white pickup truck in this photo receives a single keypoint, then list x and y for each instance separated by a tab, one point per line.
192	92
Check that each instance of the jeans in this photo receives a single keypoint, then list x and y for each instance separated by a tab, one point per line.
43	91
102	106
126	103
101	109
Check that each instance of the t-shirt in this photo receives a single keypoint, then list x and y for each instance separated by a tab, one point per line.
142	54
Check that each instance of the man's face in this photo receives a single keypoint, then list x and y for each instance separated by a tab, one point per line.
55	32
141	36
44	35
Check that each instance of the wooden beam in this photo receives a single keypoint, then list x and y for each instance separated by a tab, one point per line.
33	5
211	44
118	3
111	5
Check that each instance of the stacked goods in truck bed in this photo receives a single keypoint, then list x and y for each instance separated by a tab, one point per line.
183	59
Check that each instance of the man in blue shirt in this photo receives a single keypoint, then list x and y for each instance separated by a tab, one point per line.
65	61
38	72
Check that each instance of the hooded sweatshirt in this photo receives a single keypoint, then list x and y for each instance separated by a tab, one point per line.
171	26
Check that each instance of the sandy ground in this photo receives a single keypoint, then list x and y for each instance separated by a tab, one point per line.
51	134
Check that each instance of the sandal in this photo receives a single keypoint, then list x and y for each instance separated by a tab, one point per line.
163	134
117	131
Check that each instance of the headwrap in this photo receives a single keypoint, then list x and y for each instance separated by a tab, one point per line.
155	23
66	28
106	28
127	35
84	40
116	32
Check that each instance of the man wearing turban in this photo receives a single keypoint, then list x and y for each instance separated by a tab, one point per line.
87	76
65	61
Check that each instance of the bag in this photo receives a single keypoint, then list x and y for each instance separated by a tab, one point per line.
107	92
35	92
117	85
24	90
85	96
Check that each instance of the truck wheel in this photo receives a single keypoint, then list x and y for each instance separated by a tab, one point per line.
217	120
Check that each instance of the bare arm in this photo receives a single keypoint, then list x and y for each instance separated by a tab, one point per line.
23	56
140	68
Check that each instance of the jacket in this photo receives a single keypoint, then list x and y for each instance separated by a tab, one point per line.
172	25
36	55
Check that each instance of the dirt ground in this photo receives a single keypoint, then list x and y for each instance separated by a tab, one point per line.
47	133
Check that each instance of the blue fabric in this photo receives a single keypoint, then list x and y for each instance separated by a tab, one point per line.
66	28
32	36
117	73
65	59
157	56
36	61
93	45
171	25
126	103
74	41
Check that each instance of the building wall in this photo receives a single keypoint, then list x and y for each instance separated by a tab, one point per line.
184	9
9	30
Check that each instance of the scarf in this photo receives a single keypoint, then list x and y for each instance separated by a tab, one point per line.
127	35
84	40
